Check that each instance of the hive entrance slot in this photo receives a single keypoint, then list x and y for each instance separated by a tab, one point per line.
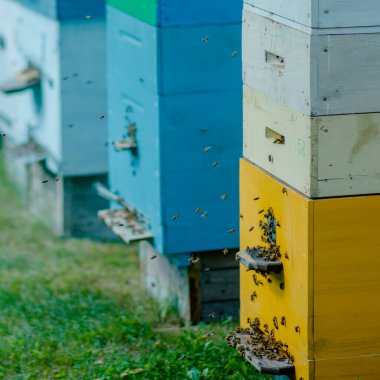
274	60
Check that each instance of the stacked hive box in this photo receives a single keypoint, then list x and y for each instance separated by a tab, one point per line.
308	187
174	74
60	117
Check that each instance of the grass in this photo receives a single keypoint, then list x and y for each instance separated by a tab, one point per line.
74	309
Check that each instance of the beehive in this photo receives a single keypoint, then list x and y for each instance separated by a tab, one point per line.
179	108
321	156
323	303
59	131
315	71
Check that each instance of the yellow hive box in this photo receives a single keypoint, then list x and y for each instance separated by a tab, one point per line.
325	302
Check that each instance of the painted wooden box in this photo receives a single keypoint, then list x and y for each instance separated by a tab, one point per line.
323	156
70	101
174	60
323	304
17	112
180	13
315	71
324	13
183	173
66	9
181	98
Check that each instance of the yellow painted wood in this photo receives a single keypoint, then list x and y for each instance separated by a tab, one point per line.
294	212
347	277
331	279
319	156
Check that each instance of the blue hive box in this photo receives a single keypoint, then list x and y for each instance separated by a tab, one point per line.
181	12
181	90
70	102
66	9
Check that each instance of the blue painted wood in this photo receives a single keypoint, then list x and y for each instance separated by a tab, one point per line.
71	58
175	60
198	12
171	173
67	9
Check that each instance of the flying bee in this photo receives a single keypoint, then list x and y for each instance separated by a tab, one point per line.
204	215
101	117
224	196
198	209
207	148
225	251
251	229
234	53
261	211
88	17
205	39
45	181
215	164
153	257
256	199
206	269
175	217
194	259
232	230
212	315
208	334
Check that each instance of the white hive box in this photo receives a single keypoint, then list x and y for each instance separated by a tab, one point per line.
324	13
315	71
322	156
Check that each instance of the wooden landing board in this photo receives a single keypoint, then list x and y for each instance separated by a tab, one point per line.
124	225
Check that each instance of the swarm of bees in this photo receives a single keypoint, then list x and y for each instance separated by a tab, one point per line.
271	252
254	342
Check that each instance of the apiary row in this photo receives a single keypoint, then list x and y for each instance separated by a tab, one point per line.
309	186
174	96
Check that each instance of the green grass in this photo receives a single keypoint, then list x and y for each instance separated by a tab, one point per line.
74	309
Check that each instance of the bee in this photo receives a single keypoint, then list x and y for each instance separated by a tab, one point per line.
57	179
3	134
198	209
88	17
207	148
205	39
206	269
280	140
175	217
297	329
282	286
215	164
261	211
251	229
101	117
234	53
275	322
204	215
270	158
208	334
153	257
283	321
241	216
253	296
45	181
194	259
225	251
224	196
269	280
266	328
212	315
256	281
284	191
232	230
256	199
121	225
278	224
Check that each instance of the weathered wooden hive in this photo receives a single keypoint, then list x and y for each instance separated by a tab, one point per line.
309	189
174	98
52	108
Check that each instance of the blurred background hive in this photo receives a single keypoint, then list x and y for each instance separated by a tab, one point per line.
55	125
174	112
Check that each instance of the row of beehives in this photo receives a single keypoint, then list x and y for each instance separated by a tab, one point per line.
310	122
173	142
